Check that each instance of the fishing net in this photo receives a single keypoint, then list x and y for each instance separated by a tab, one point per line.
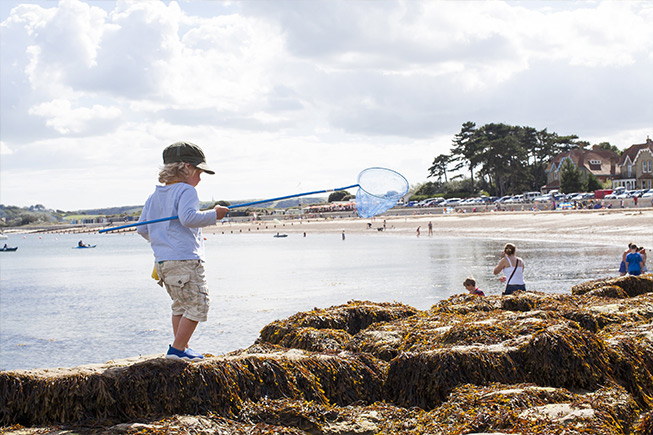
379	190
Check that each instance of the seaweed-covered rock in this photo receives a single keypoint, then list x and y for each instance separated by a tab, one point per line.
350	318
526	363
632	285
496	408
163	387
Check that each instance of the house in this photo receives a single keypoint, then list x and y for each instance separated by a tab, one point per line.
602	163
636	167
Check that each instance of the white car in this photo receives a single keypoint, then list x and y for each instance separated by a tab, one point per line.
543	198
434	202
575	196
647	194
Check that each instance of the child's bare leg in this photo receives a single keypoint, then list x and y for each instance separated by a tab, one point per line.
185	329
175	324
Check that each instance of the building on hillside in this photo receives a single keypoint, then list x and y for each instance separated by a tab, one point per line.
601	163
636	167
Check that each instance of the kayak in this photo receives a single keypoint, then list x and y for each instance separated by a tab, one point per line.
9	249
281	235
84	247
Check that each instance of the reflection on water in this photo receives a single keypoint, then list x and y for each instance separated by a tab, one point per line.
63	307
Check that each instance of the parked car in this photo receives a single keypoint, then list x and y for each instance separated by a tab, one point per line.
434	202
544	198
451	201
648	194
575	196
503	199
516	198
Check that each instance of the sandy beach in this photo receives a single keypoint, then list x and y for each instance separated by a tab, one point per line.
612	227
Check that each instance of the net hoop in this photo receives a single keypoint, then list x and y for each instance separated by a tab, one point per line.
379	189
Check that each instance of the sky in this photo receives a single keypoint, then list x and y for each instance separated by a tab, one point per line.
294	96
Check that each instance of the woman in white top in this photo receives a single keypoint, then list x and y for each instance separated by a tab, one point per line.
513	268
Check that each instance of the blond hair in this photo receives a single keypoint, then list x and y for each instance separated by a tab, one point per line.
174	172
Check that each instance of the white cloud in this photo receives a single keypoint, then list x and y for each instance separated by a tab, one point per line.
4	149
290	93
65	119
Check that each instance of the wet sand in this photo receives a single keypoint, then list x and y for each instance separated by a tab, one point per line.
612	227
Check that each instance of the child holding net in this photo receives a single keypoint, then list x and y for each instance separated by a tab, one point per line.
178	244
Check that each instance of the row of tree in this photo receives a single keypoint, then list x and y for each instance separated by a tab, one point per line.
504	159
12	216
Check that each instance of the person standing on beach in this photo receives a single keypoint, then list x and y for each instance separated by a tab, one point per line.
178	244
430	228
513	268
623	269
634	261
642	252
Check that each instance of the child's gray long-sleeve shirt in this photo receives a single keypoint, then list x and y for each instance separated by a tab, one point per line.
177	239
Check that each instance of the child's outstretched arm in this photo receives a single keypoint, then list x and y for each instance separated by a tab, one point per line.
189	213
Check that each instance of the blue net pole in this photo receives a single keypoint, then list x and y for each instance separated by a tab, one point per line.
315	192
379	189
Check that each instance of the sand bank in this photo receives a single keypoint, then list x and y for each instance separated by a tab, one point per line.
613	227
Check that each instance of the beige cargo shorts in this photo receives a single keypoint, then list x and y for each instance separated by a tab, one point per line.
185	282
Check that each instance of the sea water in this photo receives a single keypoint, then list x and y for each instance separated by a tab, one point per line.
62	307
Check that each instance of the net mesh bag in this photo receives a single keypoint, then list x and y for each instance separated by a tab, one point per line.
379	190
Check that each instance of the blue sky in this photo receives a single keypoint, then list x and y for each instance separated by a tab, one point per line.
292	96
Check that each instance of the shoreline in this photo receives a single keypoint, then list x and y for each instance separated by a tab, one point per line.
613	227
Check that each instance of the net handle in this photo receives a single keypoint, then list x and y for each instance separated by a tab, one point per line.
279	198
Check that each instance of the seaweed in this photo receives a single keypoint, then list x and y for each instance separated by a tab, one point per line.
526	363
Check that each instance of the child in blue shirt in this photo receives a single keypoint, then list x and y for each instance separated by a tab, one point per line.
178	244
634	261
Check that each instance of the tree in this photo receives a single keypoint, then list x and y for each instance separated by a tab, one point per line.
541	146
467	149
566	143
428	190
503	158
592	183
571	178
339	195
439	167
607	146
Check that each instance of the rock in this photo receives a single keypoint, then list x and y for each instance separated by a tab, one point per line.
529	363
